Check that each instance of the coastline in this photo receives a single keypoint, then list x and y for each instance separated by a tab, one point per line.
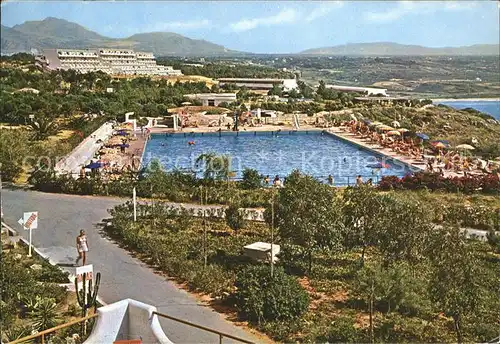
437	100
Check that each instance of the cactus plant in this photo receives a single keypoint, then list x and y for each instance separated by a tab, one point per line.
87	298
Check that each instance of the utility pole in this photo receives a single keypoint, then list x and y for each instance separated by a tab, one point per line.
205	250
1	221
272	236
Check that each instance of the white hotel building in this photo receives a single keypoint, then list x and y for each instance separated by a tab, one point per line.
110	61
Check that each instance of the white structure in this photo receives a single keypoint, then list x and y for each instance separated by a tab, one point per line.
212	99
258	113
110	61
125	320
261	251
371	90
260	84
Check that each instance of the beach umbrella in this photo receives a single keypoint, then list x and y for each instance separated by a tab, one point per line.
374	124
440	143
393	133
403	130
395	124
465	147
94	165
386	128
422	136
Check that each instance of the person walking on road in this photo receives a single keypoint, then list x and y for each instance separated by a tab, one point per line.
82	247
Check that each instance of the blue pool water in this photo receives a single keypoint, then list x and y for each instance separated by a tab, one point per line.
313	153
490	107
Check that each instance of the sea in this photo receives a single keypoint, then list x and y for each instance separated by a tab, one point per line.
490	107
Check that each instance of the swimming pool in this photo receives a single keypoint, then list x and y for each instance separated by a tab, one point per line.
274	153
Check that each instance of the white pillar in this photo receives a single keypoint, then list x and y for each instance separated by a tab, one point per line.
175	118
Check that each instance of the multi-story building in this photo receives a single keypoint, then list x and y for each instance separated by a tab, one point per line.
110	61
259	84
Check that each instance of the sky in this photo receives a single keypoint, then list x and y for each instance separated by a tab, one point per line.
278	26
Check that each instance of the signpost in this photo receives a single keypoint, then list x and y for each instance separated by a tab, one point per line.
80	270
29	221
134	196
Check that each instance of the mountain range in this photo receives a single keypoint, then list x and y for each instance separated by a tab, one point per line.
58	33
395	49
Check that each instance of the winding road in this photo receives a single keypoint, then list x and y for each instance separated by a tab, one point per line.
123	276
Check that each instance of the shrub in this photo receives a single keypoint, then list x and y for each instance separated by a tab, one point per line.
251	179
489	184
50	273
213	280
259	296
494	240
342	330
234	217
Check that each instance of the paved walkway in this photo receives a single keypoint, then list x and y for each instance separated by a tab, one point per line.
123	276
73	162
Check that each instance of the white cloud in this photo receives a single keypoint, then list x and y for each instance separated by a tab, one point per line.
323	10
459	5
283	17
404	8
180	25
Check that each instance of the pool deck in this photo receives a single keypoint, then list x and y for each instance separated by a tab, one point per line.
375	148
137	147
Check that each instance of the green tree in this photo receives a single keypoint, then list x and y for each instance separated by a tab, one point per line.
307	215
363	209
142	122
251	179
14	147
454	285
276	90
405	230
216	167
234	217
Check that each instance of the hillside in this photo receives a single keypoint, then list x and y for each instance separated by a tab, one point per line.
395	49
59	33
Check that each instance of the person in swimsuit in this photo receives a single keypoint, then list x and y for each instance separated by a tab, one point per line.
82	247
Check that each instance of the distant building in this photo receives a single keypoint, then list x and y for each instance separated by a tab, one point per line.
371	91
260	84
213	99
110	61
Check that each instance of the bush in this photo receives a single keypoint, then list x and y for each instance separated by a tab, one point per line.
251	179
494	240
259	297
342	330
489	184
234	217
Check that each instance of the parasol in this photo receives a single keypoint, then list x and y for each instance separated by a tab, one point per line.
422	136
393	133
